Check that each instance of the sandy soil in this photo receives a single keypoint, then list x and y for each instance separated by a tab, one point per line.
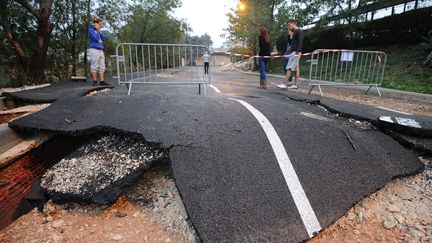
150	211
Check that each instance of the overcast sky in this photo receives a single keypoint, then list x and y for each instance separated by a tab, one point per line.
207	16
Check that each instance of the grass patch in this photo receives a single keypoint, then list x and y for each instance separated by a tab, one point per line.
404	70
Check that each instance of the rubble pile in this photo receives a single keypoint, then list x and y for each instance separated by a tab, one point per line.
98	171
237	66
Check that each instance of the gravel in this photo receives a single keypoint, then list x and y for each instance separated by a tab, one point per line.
98	171
237	66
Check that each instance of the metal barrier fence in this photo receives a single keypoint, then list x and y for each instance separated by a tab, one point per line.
148	63
347	68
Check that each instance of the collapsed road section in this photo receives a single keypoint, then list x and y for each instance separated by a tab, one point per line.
223	165
98	171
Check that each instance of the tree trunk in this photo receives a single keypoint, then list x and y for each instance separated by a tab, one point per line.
9	35
74	41
34	68
86	38
40	53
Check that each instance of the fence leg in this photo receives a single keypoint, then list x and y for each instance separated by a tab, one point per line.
378	91
370	87
319	87
129	88
205	90
199	88
312	87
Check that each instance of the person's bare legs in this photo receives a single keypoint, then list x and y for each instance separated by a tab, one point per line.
101	76
297	76
94	77
287	77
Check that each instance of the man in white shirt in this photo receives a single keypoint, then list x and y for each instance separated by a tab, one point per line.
206	60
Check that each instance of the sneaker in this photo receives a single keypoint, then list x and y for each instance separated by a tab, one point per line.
95	83
104	83
290	83
294	86
281	86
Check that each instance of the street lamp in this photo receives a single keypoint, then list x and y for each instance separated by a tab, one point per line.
241	7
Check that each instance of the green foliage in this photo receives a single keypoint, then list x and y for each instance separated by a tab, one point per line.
241	50
198	40
427	44
244	25
150	22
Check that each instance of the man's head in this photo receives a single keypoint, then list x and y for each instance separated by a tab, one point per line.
97	22
292	24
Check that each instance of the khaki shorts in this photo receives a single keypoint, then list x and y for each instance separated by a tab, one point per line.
293	63
97	59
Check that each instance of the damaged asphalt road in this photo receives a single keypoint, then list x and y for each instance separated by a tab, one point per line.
224	166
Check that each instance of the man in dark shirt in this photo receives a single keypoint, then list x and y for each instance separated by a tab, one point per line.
294	59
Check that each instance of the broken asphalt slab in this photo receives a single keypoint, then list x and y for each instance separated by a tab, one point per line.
98	171
414	125
54	92
224	166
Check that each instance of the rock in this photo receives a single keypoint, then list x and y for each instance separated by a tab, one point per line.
356	232
378	238
399	218
168	240
237	66
423	222
121	214
419	227
360	216
415	234
49	218
117	237
393	208
389	223
49	208
146	237
58	223
351	216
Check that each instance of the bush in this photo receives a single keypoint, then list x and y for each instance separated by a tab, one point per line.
241	50
428	48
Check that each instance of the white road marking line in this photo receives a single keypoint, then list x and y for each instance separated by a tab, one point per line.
215	88
388	109
300	199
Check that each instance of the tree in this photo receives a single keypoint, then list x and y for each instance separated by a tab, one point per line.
204	39
150	21
244	24
31	56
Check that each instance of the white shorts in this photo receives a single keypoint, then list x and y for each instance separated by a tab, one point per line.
97	59
293	62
